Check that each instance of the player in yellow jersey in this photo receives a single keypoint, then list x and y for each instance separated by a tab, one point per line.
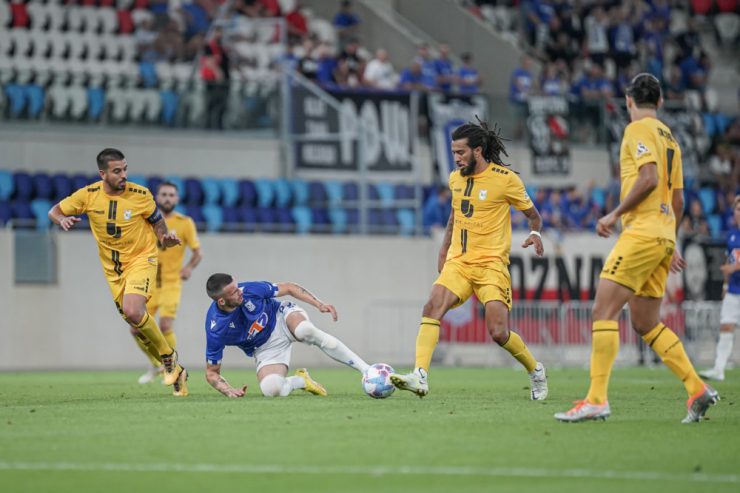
170	273
474	256
127	225
651	206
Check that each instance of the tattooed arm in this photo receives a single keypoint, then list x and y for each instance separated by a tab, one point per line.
165	238
213	375
302	294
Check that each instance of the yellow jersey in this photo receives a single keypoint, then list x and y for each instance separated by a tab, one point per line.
650	141
120	224
481	207
170	260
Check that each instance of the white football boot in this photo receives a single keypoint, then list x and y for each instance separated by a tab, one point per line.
538	383
415	382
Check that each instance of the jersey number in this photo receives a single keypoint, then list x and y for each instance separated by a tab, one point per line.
669	160
111	228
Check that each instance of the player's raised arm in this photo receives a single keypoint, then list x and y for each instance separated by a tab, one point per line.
302	294
214	378
646	182
58	217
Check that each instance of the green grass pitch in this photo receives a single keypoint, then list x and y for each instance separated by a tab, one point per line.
476	431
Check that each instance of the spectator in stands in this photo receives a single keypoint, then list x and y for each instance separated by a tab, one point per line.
145	37
351	59
695	222
249	8
379	72
622	37
297	23
520	86
428	67
561	47
722	164
437	209
468	78
327	64
597	40
344	76
308	65
197	18
270	8
445	69
675	88
591	91
412	78
689	41
346	23
551	82
214	70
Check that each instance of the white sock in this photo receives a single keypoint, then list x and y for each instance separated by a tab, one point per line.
330	345
724	350
274	385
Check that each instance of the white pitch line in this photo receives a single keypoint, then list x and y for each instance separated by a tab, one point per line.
517	472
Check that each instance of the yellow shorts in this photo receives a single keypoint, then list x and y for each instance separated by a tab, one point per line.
139	278
489	282
166	299
640	263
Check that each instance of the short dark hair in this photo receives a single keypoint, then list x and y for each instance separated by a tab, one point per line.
216	284
108	154
167	183
481	135
645	90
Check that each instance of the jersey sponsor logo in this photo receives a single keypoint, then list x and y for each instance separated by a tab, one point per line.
641	150
258	325
231	325
93	189
482	194
127	214
457	189
250	306
213	324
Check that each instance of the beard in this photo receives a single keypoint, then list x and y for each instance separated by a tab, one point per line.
167	208
468	169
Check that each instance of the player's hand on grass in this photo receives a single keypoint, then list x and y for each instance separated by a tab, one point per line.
233	393
67	222
677	262
535	240
170	239
605	225
324	308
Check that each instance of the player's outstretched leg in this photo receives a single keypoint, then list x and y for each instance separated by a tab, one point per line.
724	350
426	340
151	353
275	385
309	384
585	411
308	333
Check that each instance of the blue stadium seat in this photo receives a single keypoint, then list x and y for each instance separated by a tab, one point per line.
80	181
350	191
404	192
302	218
385	194
338	218
40	209
232	221
372	192
300	191
267	219
285	220
283	195
214	217
428	191
317	196
196	214
6	212
229	191
22	213
192	191
7	186
153	183
170	103
248	218
321	221
140	180
181	209
211	190
333	193
598	196
95	102
148	74
708	199
17	99
35	99
42	186
715	225
406	221
23	185
248	193
353	218
374	221
389	219
265	192
180	184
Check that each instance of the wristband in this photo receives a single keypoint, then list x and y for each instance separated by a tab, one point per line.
536	233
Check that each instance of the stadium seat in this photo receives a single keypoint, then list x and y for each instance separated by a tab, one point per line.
192	191
265	192
317	196
6	185
406	221
708	199
211	190
300	191
139	180
95	102
350	191
17	99
153	183
148	74
62	185
248	218
6	212
40	209
338	218
283	195
302	219
229	191
284	220
232	221
35	99
321	221
214	217
248	193
385	194
353	220
598	196
372	192
333	193
170	104
22	213
267	219
80	180
42	186
23	185
403	191
715	225
196	214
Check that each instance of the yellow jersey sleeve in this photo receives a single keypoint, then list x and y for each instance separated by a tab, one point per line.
76	203
640	145
516	195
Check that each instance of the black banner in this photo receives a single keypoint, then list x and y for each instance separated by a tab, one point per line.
547	126
330	139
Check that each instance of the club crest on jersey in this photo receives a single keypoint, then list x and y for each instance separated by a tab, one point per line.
482	194
250	306
641	150
213	324
258	325
126	215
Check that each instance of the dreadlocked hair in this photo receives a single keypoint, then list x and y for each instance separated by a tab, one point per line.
481	135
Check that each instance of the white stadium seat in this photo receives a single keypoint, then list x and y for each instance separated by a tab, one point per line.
77	98
108	19
75	19
39	15
56	16
76	44
90	19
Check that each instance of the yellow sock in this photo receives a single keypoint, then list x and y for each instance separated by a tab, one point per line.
171	338
148	326
426	341
604	349
668	346
515	345
148	349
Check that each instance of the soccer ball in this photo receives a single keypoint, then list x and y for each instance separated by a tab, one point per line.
376	381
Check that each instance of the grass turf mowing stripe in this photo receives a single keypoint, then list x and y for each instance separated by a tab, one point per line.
374	471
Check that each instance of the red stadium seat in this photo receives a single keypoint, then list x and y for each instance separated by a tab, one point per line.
701	7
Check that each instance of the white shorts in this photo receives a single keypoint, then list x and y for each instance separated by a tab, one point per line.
730	311
276	351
